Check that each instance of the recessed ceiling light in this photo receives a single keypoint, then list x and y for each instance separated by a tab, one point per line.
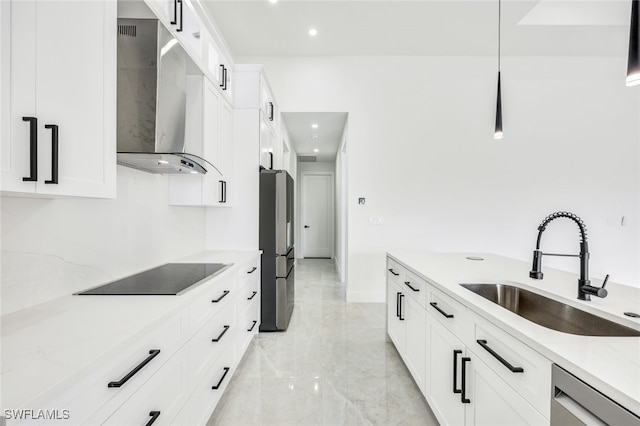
316	150
313	32
273	1
314	126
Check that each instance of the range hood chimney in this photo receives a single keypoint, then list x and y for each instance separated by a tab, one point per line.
152	69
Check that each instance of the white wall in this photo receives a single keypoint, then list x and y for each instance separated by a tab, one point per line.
421	151
55	247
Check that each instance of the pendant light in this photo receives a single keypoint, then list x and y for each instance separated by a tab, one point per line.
498	130
633	66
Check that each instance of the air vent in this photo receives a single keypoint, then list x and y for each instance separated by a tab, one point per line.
307	158
127	30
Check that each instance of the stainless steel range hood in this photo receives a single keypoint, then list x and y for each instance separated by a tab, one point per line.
152	69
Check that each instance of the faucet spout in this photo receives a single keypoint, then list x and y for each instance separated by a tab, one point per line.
585	290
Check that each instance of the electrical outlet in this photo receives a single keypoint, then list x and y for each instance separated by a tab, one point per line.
376	220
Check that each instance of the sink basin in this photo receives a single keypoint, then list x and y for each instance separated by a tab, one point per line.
549	313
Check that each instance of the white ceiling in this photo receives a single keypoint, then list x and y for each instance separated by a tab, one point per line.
329	132
423	27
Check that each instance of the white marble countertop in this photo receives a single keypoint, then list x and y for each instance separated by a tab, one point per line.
48	346
610	364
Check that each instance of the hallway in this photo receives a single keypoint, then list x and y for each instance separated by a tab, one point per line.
331	367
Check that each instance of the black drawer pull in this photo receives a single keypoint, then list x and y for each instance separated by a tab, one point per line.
408	284
393	272
252	270
253	326
54	153
33	149
456	352
504	362
401	307
252	296
446	315
463	397
226	370
271	111
152	354
154	416
271	160
224	294
175	13
217	339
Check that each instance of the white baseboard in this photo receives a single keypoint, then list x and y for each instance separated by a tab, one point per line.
366	297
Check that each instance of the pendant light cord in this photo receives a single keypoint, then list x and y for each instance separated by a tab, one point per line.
499	30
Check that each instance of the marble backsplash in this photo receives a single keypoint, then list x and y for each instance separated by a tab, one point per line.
55	247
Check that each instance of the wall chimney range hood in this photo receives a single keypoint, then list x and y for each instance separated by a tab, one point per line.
152	69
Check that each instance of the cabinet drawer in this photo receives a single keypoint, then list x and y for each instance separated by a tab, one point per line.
451	313
502	353
221	294
248	326
209	390
249	272
394	270
210	341
158	398
415	287
92	401
249	293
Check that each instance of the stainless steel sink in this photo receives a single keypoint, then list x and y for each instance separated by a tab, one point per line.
548	312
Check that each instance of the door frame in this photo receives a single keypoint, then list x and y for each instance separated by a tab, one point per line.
332	208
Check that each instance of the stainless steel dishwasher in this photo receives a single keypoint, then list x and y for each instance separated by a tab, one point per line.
575	403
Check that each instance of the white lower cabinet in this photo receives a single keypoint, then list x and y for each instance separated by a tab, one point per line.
470	371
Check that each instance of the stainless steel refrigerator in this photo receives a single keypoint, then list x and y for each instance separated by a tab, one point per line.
276	243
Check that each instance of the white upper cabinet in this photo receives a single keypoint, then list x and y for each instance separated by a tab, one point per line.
208	134
59	104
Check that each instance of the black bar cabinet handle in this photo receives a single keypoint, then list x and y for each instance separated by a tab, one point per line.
252	296
271	111
463	397
33	149
175	12
408	284
504	362
271	160
398	305
226	370
154	416
252	270
393	272
224	294
224	190
222	75
253	326
221	200
401	307
181	13
224	78
54	153
456	352
446	315
152	354
217	339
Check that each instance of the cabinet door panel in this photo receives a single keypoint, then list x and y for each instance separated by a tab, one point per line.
395	326
18	56
71	72
446	404
225	147
493	402
211	143
415	341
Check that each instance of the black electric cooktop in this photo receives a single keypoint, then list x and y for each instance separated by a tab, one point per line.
169	279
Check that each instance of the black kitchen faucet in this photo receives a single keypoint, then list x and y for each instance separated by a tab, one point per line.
585	289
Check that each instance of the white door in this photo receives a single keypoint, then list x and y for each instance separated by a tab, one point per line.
317	215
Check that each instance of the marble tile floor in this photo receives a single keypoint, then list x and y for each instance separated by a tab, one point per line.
331	367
